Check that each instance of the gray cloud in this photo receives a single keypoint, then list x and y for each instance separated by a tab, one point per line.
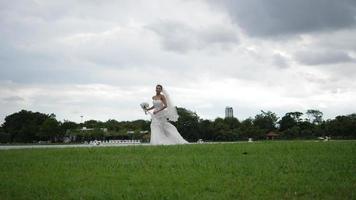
180	37
323	57
280	17
13	99
69	57
280	61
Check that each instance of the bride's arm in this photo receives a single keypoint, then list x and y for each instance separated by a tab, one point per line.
150	108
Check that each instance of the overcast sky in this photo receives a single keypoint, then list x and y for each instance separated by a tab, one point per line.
101	59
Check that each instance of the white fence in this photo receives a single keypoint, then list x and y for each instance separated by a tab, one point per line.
98	142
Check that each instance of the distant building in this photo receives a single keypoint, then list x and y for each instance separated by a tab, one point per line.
229	112
144	132
86	129
90	129
271	135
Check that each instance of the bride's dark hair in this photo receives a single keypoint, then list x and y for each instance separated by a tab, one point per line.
159	86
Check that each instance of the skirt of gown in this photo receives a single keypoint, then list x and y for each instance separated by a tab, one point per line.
163	132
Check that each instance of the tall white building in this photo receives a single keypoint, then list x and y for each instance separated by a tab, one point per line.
229	112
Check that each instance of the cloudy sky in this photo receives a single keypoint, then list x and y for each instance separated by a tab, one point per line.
101	59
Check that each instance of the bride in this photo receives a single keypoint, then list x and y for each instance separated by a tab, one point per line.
163	132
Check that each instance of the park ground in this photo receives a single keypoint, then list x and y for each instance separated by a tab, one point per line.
258	170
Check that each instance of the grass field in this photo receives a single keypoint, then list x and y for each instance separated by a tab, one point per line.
260	170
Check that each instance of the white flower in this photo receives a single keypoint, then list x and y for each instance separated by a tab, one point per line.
144	106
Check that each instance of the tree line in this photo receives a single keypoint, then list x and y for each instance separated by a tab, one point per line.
27	127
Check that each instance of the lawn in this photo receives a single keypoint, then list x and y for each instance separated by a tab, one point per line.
259	170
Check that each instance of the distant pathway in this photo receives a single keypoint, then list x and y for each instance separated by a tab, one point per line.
37	146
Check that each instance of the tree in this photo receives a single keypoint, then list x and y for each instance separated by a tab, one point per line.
342	126
286	122
295	115
140	125
93	124
266	120
28	126
232	122
112	125
292	132
249	130
206	131
315	116
246	128
23	126
221	129
306	129
97	133
187	124
66	126
4	137
50	129
289	120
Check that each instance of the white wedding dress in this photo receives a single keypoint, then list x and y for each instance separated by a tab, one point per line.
163	132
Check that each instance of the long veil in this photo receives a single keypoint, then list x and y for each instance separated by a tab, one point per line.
171	112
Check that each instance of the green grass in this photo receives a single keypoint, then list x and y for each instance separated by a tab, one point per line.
260	170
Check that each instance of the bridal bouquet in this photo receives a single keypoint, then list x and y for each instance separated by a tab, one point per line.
144	106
